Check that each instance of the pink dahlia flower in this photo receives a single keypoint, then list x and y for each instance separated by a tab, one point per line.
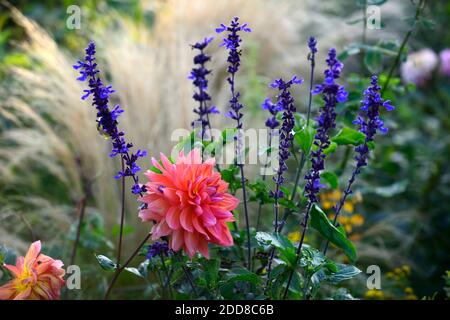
189	203
36	277
444	67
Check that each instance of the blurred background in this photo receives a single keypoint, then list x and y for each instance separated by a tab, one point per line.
52	157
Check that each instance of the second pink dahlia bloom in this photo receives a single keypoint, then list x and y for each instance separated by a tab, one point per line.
36	277
189	203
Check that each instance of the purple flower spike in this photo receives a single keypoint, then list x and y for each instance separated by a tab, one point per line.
198	77
332	94
107	118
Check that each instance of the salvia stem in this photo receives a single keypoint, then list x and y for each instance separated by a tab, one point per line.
122	267
312	44
167	282
299	249
122	215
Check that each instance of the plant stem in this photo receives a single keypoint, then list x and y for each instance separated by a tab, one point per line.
167	283
187	274
121	268
419	9
299	248
247	222
258	220
122	215
81	208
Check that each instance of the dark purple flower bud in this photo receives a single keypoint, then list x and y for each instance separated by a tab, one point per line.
156	249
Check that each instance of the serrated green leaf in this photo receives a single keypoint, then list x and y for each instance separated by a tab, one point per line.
322	224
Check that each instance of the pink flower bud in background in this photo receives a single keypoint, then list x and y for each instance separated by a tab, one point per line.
419	66
444	67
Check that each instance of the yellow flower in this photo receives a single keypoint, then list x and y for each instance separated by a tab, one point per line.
411	297
390	275
374	294
357	220
327	205
409	290
398	271
356	237
348	228
294	236
349	207
407	269
335	195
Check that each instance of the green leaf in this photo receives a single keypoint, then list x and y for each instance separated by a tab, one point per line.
281	242
392	190
190	142
305	138
331	148
348	136
331	178
241	274
134	271
344	272
320	222
211	271
216	146
106	263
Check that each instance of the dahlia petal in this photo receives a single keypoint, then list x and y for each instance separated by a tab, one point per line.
171	195
15	270
7	291
157	165
169	166
208	217
203	248
173	218
191	242
229	202
186	219
32	254
24	294
177	240
220	212
161	230
198	227
159	206
149	215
